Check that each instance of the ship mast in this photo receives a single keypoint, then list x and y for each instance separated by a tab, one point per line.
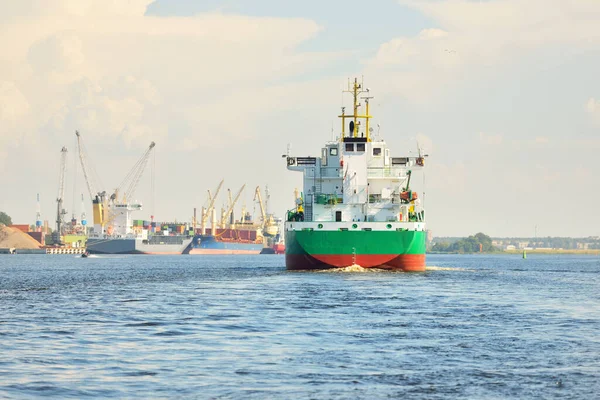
356	89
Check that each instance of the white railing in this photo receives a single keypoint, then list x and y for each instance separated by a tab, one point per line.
386	172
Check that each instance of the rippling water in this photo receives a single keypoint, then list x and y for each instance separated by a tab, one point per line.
243	327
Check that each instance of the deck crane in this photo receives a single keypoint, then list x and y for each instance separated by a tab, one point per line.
208	211
98	198
230	209
130	183
229	203
108	209
60	211
269	226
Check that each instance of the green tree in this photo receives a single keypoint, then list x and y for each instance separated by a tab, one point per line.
5	218
472	244
441	247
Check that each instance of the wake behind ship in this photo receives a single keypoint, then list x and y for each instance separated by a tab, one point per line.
357	206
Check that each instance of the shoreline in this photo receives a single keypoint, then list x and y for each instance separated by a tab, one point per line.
593	252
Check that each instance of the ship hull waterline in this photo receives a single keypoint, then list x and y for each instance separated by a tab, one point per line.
395	250
134	246
210	245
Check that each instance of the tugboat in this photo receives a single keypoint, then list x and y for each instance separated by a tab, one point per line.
357	206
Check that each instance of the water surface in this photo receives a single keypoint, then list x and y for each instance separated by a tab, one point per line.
243	327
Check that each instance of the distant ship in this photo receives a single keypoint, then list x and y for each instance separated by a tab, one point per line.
229	236
357	206
227	241
139	244
114	231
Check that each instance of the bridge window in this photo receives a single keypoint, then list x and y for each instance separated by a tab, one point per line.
376	151
360	147
349	146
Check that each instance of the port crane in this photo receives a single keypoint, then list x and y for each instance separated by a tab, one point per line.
38	215
98	198
131	181
60	211
103	206
269	225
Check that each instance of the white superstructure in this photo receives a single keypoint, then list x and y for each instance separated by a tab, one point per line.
356	178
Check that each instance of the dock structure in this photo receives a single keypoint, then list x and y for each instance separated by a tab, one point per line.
65	250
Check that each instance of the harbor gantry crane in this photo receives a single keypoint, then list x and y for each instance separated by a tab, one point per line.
230	208
268	223
209	210
60	211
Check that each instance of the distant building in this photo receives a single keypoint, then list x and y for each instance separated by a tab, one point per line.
21	227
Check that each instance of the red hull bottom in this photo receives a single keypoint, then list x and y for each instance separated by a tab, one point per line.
279	248
403	262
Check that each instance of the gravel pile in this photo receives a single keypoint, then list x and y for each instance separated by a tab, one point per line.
14	238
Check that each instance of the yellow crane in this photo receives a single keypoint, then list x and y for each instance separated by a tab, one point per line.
92	180
103	211
269	226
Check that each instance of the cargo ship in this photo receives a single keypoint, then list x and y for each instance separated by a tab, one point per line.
226	235
227	241
357	206
124	236
114	231
139	244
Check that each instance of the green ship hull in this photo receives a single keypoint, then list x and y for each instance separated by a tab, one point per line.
322	249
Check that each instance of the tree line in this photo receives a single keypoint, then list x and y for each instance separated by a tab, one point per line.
473	244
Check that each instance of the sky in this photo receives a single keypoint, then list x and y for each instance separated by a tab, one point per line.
504	96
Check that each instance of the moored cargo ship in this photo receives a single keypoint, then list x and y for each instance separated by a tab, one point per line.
357	206
139	244
227	241
114	231
231	236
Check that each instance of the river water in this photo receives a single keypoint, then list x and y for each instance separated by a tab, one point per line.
477	327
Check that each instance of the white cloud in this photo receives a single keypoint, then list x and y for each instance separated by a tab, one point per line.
13	104
496	66
78	8
490	139
123	79
473	37
593	107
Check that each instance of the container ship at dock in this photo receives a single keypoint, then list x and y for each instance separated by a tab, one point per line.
357	206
